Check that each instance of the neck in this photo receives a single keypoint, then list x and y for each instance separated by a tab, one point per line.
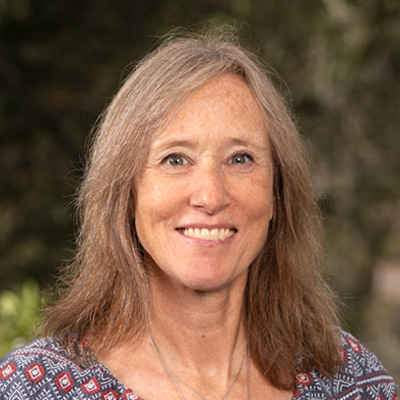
201	332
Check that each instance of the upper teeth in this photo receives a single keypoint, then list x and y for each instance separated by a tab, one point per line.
208	234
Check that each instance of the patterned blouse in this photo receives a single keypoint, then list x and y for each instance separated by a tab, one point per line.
43	370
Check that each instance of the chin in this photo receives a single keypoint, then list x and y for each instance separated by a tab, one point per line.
214	283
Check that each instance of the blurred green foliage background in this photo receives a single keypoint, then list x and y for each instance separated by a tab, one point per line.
61	62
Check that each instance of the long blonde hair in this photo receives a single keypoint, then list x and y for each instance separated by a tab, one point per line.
291	312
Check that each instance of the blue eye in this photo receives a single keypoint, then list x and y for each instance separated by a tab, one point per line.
241	158
174	160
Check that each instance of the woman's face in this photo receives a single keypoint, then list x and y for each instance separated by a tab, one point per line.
204	198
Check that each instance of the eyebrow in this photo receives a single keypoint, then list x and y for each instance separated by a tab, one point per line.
192	144
241	142
174	143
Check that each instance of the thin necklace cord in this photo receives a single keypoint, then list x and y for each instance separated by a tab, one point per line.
175	379
230	387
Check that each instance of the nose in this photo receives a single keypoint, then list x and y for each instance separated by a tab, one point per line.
209	191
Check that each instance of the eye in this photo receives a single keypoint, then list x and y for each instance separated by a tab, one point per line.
241	158
174	160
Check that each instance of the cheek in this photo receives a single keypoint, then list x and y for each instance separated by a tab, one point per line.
256	197
159	191
156	202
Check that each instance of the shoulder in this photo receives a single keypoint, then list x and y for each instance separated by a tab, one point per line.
361	376
43	369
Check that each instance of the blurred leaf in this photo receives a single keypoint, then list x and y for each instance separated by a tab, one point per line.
19	315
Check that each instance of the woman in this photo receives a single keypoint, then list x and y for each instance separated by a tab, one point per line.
196	274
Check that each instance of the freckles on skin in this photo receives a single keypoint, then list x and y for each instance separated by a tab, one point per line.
208	188
227	111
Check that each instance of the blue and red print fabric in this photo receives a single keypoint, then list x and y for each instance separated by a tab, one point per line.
43	370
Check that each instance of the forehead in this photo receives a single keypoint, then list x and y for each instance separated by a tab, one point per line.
228	91
224	104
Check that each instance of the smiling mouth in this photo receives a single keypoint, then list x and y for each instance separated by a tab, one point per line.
207	234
